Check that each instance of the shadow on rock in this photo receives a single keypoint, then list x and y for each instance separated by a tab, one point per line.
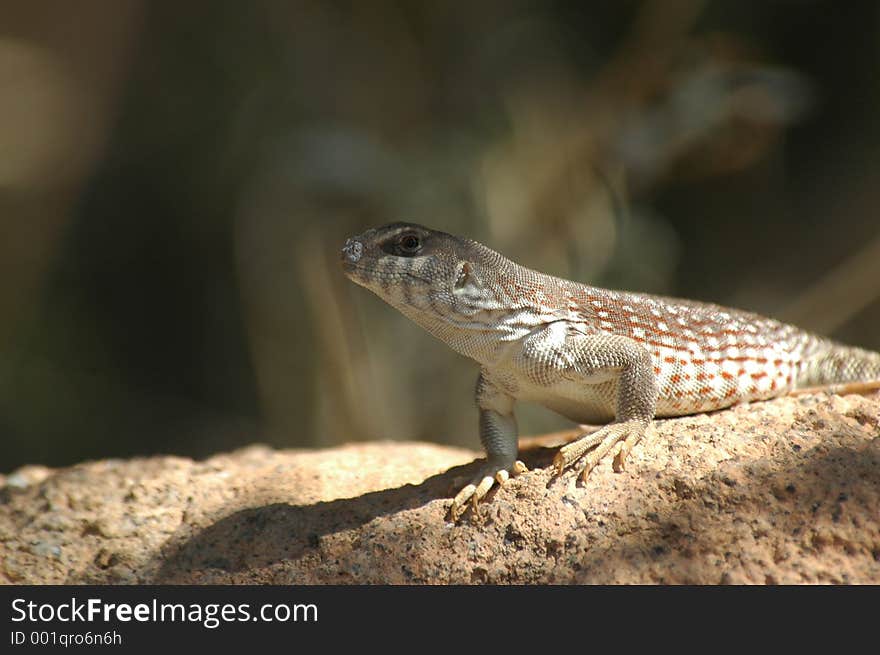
258	537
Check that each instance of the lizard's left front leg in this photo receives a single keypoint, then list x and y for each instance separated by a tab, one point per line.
636	398
499	435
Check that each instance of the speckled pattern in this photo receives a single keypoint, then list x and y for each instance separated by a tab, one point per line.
593	355
508	317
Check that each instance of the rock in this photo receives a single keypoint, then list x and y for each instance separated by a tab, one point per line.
785	491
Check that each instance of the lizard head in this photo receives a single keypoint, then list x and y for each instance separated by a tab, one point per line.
416	269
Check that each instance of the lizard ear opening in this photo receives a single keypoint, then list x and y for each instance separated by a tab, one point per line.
465	273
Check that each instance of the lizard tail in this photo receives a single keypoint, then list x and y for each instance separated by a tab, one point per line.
839	365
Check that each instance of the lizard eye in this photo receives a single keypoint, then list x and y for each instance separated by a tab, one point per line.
409	244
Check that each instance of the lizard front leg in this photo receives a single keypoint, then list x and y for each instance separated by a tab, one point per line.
499	436
636	396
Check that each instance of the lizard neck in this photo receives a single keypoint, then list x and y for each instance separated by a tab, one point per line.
482	339
501	304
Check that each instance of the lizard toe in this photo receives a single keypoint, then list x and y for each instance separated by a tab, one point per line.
472	493
597	445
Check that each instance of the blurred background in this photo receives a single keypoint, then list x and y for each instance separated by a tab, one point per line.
176	180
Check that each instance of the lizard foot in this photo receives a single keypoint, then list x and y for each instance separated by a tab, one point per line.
627	433
489	476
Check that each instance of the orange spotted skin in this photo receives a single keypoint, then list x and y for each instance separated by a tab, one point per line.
705	357
593	355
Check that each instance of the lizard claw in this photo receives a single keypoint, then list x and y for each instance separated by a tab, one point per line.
474	492
627	432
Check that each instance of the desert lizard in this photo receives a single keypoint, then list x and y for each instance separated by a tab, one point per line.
591	354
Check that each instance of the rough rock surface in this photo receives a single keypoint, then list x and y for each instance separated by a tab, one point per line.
786	491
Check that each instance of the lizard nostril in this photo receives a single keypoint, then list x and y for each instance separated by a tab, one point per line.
352	250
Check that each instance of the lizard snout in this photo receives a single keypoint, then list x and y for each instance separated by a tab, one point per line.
352	251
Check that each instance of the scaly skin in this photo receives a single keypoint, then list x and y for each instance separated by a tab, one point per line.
593	355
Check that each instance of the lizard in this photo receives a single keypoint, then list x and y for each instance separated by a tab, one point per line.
596	356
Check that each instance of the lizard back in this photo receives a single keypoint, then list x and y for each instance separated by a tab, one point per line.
708	357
